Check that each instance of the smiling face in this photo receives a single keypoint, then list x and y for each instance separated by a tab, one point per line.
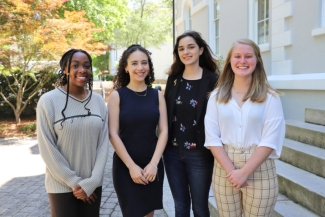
243	60
137	66
188	51
80	70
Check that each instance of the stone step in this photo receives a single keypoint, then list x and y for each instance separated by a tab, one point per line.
284	207
303	187
315	116
305	132
304	156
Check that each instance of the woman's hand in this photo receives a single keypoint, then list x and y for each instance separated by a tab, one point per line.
79	193
137	175
237	178
150	172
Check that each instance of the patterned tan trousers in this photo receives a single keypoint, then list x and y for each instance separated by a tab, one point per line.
257	199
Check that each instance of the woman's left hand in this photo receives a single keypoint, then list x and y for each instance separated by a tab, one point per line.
237	178
79	193
150	172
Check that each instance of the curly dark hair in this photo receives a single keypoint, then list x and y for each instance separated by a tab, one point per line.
121	79
206	59
63	78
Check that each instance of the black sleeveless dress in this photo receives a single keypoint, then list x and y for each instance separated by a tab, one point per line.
139	116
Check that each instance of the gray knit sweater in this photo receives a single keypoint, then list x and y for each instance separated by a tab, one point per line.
75	151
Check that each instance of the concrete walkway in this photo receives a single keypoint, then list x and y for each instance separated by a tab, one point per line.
22	191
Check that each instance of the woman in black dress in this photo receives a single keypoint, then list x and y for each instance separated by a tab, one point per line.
135	111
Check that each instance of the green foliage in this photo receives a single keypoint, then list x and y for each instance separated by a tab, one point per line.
109	77
105	14
149	24
220	63
6	110
101	62
29	128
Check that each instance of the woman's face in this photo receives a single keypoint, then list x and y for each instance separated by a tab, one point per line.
243	60
80	70
188	51
137	66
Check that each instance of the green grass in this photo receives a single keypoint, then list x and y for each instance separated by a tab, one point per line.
28	128
3	127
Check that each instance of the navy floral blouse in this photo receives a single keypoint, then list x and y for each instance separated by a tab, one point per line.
184	123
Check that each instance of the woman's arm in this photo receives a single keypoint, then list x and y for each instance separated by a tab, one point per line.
238	177
55	162
213	135
151	168
271	141
90	184
136	172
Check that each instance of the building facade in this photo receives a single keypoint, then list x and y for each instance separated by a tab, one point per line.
290	34
161	57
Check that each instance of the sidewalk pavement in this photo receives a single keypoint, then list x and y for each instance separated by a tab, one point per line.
22	191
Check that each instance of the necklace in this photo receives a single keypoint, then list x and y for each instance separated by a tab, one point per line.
238	91
141	95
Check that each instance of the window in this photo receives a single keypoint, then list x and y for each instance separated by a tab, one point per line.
216	24
263	21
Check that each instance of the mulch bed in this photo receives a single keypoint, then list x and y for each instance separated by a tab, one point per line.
9	128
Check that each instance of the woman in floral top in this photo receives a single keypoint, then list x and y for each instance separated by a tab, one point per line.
188	163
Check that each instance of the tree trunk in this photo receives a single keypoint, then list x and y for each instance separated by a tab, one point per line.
17	117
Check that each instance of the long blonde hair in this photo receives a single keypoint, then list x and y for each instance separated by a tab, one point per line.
259	87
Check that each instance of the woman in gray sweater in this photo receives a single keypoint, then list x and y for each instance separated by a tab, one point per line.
73	141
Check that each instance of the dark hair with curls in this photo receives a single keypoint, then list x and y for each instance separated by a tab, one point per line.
63	78
206	59
121	79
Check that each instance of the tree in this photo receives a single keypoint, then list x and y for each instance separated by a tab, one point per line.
32	38
105	14
148	24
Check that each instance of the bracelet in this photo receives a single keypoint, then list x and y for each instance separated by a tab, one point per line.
153	165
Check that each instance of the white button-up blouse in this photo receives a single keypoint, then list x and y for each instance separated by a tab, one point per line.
260	124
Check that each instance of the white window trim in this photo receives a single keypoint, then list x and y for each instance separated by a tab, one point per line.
187	16
211	26
259	21
252	20
215	37
321	29
311	81
322	14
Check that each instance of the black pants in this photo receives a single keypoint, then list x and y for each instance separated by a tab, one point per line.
67	205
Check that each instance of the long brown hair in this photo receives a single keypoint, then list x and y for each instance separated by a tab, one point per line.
259	87
206	59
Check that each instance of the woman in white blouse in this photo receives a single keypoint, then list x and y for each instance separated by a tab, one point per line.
245	128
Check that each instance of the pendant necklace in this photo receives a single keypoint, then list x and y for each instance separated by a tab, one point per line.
141	95
238	91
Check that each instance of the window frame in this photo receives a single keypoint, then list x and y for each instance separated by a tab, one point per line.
216	18
265	20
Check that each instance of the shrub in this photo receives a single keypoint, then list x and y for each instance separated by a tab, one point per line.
109	77
29	128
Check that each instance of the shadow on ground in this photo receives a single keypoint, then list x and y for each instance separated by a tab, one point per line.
24	196
34	149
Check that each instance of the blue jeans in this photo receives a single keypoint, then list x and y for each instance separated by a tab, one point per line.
189	175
